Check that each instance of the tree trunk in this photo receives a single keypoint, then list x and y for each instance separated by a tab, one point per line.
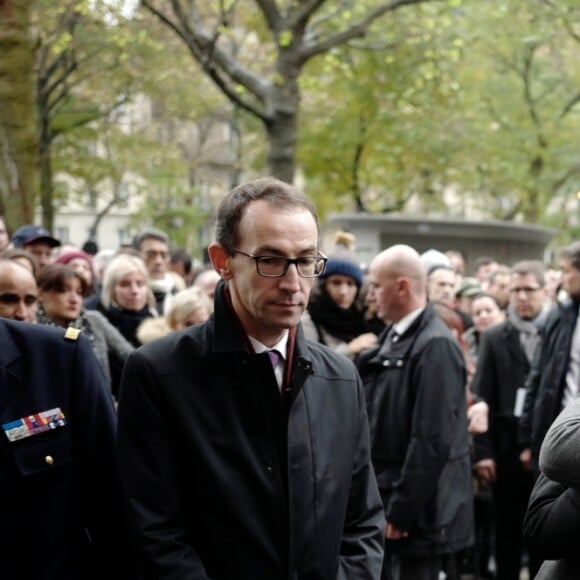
46	194
281	133
281	128
18	177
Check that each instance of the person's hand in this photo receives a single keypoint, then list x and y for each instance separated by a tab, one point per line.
392	533
362	342
526	459
477	416
486	469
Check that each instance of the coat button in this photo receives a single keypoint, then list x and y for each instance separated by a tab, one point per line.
269	468
49	460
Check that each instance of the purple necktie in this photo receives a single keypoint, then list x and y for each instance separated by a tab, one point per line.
274	357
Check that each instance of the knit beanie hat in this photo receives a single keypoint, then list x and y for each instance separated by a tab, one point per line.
342	261
344	264
66	257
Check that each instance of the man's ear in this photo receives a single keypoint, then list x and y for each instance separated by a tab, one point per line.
220	259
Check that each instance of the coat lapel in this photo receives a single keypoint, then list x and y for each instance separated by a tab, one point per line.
9	353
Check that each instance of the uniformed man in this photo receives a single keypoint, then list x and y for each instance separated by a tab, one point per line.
59	505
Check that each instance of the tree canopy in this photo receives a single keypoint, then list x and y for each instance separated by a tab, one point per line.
449	107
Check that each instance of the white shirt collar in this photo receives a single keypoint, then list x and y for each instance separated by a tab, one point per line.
403	325
281	346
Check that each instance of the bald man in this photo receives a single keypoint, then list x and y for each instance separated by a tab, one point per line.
18	292
414	384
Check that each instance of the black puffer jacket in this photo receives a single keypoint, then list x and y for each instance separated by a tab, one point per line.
415	392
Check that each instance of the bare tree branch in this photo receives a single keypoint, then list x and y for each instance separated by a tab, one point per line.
223	70
570	105
271	14
355	30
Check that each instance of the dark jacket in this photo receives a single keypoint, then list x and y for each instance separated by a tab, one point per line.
221	484
60	509
501	370
416	403
547	378
552	523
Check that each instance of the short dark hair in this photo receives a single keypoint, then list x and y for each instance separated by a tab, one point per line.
53	278
482	294
272	190
181	255
571	252
147	234
482	261
533	267
501	270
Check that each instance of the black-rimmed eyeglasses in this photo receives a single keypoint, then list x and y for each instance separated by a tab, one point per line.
277	266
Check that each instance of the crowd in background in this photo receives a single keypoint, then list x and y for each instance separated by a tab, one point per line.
506	321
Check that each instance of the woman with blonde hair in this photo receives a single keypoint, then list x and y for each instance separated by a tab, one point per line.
190	306
126	298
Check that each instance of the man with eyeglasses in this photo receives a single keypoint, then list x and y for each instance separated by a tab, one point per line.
505	356
244	448
153	246
18	292
554	380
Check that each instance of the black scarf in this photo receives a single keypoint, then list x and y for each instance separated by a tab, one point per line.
344	324
126	321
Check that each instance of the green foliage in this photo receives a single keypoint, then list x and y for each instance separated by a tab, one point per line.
466	96
457	96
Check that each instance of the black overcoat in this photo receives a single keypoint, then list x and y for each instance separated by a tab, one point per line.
221	484
416	403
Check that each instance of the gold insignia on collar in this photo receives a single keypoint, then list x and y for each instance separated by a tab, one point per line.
72	333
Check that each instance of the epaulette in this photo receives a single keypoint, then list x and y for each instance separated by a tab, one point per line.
72	333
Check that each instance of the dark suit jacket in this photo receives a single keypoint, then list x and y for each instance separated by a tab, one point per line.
502	368
60	515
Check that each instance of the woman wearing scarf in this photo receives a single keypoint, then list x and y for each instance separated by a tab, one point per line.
61	291
335	316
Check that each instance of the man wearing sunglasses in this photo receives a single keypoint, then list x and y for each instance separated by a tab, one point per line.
60	502
18	293
238	461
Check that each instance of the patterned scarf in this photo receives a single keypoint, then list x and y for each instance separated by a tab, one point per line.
80	322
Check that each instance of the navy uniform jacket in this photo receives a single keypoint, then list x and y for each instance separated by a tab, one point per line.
59	507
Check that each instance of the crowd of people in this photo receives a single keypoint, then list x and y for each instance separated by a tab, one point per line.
281	412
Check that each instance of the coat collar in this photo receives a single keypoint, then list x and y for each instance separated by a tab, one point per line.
229	336
9	353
